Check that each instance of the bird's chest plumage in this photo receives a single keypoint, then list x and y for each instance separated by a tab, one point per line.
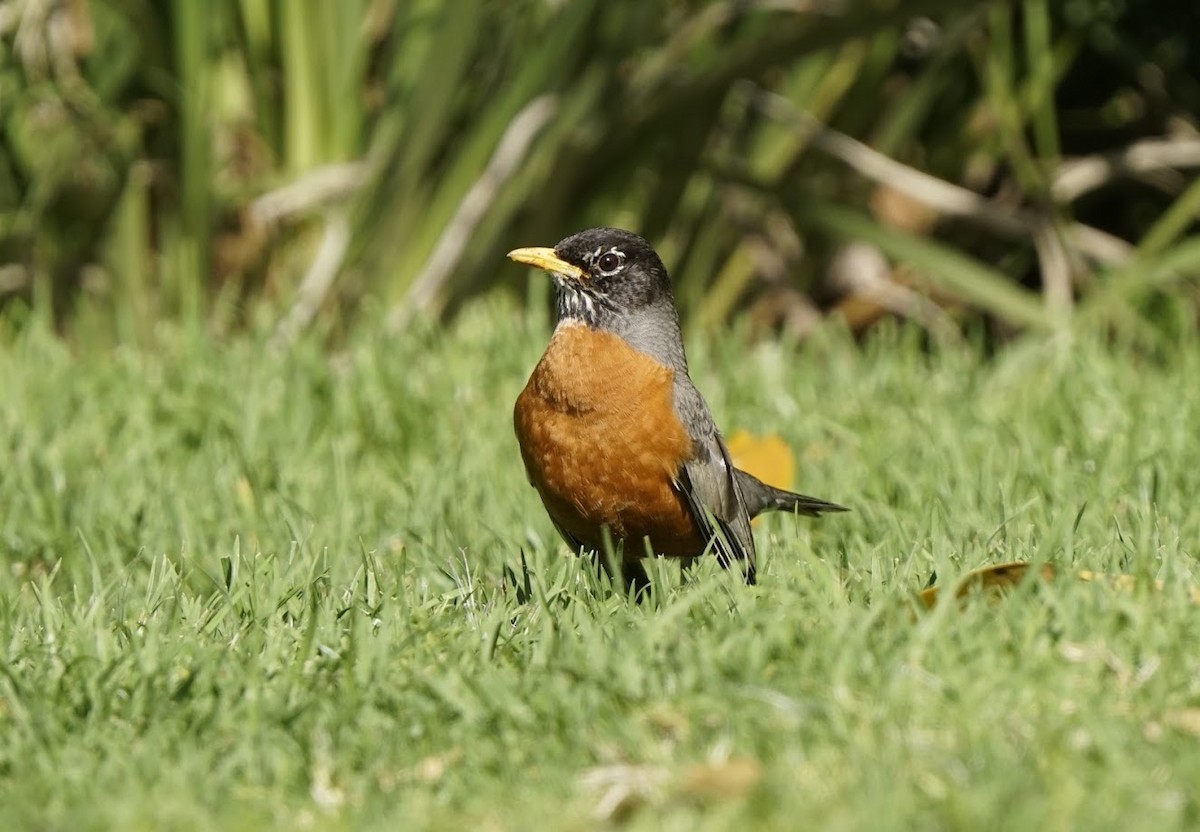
602	442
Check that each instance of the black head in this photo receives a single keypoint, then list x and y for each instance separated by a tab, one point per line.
604	276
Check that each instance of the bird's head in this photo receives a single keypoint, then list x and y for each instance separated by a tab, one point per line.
604	277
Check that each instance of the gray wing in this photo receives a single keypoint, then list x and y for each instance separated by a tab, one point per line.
709	484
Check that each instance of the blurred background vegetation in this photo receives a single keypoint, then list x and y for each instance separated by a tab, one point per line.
1011	165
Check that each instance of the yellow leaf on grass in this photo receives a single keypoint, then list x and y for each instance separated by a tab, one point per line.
767	457
993	579
726	780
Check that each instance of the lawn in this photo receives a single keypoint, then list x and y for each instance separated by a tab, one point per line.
251	589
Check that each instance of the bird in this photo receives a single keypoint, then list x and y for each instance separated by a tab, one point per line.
615	438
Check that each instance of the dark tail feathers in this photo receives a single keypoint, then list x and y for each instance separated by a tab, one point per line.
761	497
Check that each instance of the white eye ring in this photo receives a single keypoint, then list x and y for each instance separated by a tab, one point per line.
610	262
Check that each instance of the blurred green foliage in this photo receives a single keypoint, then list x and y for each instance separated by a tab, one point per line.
1025	163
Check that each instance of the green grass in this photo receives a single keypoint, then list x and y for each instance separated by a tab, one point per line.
253	590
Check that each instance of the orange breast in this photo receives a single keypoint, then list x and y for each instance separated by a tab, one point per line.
602	443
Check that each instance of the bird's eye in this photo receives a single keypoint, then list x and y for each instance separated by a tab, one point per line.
610	262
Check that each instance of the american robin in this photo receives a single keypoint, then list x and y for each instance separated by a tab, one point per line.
616	438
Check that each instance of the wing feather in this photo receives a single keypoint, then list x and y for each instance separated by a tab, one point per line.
707	481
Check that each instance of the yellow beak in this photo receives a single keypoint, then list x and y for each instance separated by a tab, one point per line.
546	260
